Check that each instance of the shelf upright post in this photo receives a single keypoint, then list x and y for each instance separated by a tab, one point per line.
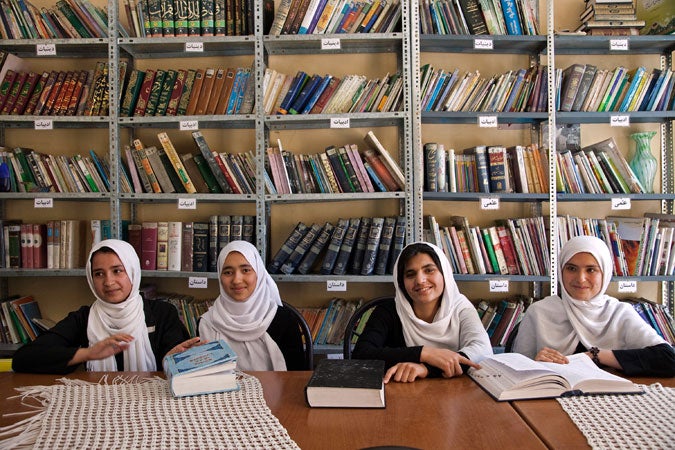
260	62
667	182
413	122
113	126
553	206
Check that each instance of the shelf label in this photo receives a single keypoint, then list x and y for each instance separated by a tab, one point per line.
499	285
187	203
628	286
194	47
621	203
331	44
487	121
489	203
483	44
336	285
45	49
339	122
620	45
43	203
189	125
198	282
619	121
44	124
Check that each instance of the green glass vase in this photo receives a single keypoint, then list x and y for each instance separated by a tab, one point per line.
643	162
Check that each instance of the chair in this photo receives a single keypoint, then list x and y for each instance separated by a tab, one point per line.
303	328
351	329
512	337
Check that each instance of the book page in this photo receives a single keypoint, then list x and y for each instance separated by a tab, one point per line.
583	374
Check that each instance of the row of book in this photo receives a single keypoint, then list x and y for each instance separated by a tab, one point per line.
358	246
640	246
657	316
501	317
336	170
164	18
586	87
161	169
187	92
20	19
496	17
611	17
336	16
188	246
327	324
599	168
328	94
55	93
511	247
56	244
21	320
518	90
25	170
489	169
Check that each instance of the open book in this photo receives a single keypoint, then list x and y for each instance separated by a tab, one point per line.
512	376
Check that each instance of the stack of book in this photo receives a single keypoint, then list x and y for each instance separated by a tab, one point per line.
336	16
640	246
610	17
517	90
56	93
188	246
599	168
358	246
488	169
496	17
586	87
342	169
511	247
20	19
181	92
316	94
20	320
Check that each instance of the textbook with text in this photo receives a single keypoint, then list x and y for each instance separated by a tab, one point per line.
512	376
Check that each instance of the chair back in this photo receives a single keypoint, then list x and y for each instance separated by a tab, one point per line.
353	330
303	328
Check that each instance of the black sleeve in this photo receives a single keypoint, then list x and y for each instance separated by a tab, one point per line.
165	330
285	332
52	350
382	338
655	361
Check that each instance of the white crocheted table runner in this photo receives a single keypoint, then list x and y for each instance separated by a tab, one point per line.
626	421
142	414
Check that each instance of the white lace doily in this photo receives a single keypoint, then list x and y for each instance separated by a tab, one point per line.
142	414
626	421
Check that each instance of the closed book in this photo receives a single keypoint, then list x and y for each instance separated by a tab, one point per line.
287	247
142	158
223	231
211	161
162	245
13	93
196	88
499	174
224	98
384	177
176	163
176	92
200	247
135	238
144	94
481	158
296	87
347	246
159	169
25	93
203	369
373	245
301	249
572	76
149	246
319	244
155	91
174	242
346	383
194	172
187	247
184	100
385	249
334	245
165	93
205	91
216	91
236	227
389	162
360	246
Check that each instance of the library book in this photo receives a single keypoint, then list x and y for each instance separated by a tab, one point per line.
512	376
346	383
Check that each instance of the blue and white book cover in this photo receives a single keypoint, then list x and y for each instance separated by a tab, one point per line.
211	354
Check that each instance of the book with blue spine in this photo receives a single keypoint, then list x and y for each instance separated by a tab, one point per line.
316	94
511	17
296	87
204	369
305	94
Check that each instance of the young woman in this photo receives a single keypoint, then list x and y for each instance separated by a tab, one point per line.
430	329
120	331
248	314
587	320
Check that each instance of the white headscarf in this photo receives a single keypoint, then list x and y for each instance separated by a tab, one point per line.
244	325
106	319
602	321
456	325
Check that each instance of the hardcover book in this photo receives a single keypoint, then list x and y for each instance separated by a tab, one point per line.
512	376
204	369
346	383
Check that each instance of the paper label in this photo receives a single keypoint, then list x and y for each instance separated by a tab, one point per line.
189	125
487	121
187	203
194	46
628	286
483	44
489	203
621	203
339	122
198	282
619	121
336	285
45	49
620	45
499	285
44	124
331	44
43	203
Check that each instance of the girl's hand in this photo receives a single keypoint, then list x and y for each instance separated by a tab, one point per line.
194	342
406	372
446	360
547	354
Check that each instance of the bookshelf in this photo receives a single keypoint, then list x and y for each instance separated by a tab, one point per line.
403	132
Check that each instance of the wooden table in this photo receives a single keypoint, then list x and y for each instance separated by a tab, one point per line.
554	426
427	414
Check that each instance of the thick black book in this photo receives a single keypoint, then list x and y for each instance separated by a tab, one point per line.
236	228
223	231
200	247
347	246
360	246
373	246
346	383
334	246
398	242
287	247
385	245
299	251
315	250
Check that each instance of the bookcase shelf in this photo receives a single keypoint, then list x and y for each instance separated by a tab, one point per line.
282	278
66	48
297	198
323	121
173	197
83	122
561	197
189	46
238	121
452	117
505	44
476	196
326	43
605	117
514	278
600	45
65	196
